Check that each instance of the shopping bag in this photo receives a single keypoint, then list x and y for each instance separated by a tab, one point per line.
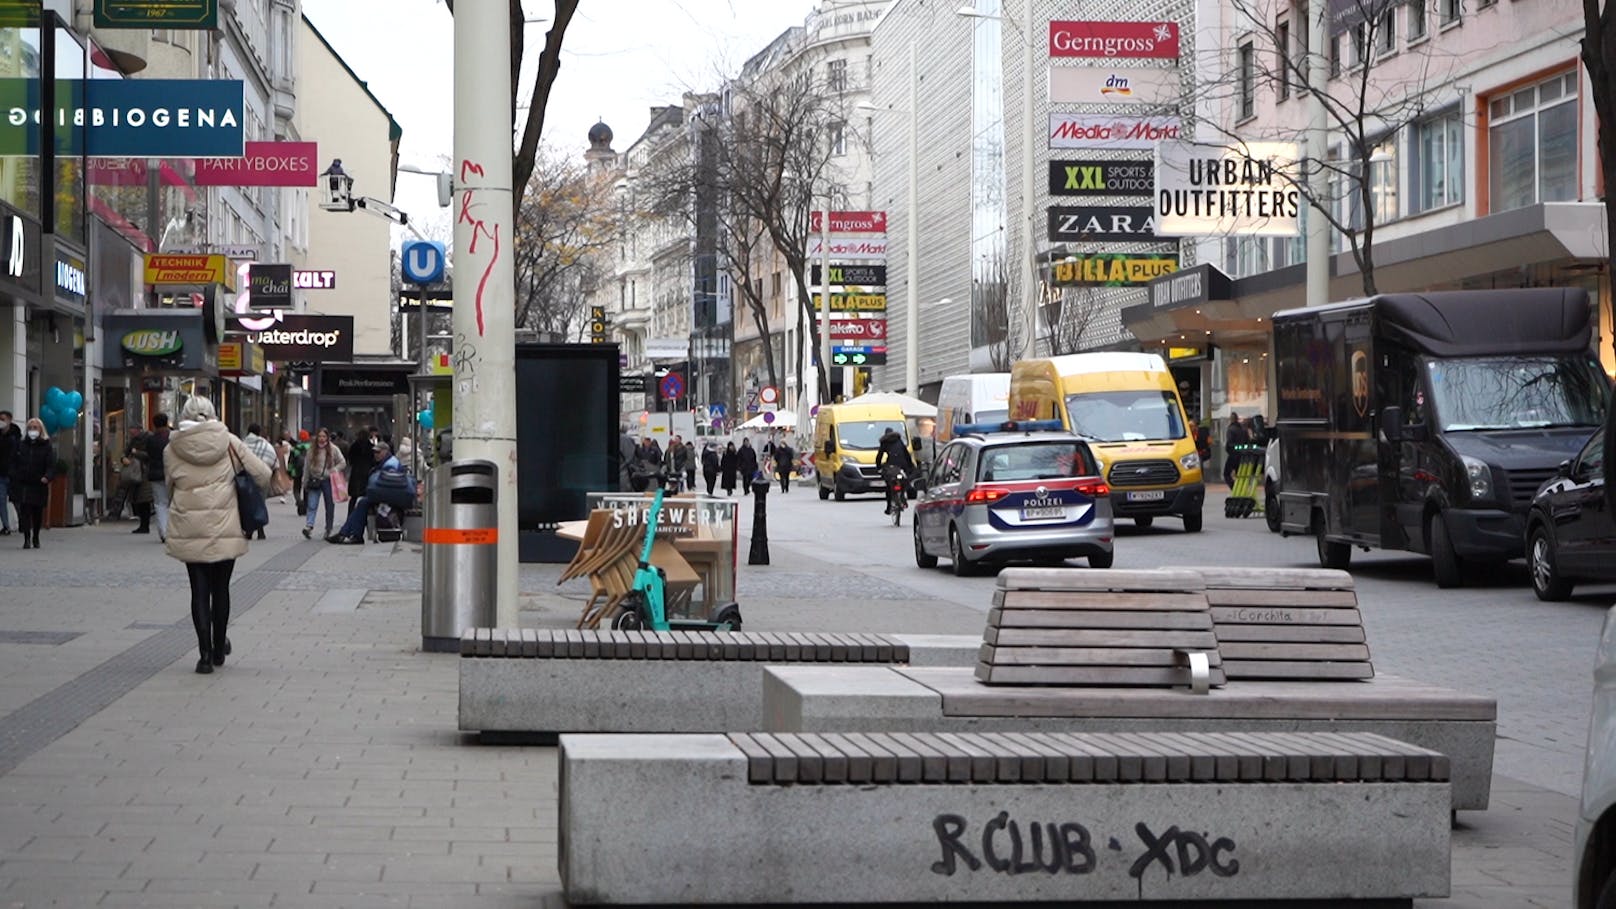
280	483
339	487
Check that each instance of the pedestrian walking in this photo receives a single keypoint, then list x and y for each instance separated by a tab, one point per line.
361	461
1234	438
294	466
264	451
200	466
709	466
748	463
283	481
728	465
690	465
784	459
626	452
10	438
647	461
33	466
151	454
323	460
133	485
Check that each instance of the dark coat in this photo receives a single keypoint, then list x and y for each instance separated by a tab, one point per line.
728	465
9	440
709	462
33	465
151	451
784	460
361	461
748	462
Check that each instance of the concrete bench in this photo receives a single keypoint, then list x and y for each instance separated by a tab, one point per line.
540	681
863	818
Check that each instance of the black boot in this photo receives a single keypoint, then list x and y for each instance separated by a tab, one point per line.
205	664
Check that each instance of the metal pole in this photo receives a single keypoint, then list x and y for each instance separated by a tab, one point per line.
1029	279
824	298
1318	229
484	280
911	316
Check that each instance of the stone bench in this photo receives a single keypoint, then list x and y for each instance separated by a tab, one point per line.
522	682
1010	818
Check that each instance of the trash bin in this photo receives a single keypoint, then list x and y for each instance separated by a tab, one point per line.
459	552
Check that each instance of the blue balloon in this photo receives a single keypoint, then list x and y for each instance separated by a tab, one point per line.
75	400
50	418
425	419
53	396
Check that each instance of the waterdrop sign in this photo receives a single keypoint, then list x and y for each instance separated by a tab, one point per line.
151	342
127	118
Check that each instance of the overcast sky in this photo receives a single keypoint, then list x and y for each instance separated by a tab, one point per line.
620	57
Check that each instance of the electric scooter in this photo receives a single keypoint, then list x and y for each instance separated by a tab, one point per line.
645	606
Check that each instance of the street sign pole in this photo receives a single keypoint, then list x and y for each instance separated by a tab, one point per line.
484	279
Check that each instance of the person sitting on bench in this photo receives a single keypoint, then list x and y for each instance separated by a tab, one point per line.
390	484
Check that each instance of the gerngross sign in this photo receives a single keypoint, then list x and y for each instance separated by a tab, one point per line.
1248	189
128	118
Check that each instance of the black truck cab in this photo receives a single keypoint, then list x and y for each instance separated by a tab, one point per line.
1426	421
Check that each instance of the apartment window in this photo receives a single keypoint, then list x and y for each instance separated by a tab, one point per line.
1417	16
1334	50
1450	11
1437	168
1304	66
1246	58
836	75
1383	180
1532	144
1282	59
1386	34
838	139
775	285
1359	36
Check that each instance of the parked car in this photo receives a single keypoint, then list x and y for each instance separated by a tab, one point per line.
1016	494
1570	533
1595	882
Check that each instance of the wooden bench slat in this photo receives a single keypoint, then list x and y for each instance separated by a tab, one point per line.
1088	656
832	761
1279	578
872	648
1053	764
1057	579
1279	669
468	642
759	762
933	760
1098	618
906	762
1096	676
1282	599
1299	634
1079	637
1052	601
808	761
1292	652
858	762
883	764
1264	615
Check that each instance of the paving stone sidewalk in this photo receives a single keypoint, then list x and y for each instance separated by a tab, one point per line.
321	766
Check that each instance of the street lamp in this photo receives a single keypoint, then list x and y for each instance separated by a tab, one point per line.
1029	278
911	309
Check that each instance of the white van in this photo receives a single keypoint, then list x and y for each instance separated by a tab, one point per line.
982	397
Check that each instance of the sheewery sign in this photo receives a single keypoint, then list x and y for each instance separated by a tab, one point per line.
850	222
1108	131
128	118
263	164
186	14
314	279
1111	40
858	302
151	342
313	339
1246	188
859	250
1068	224
1101	178
269	286
1110	269
163	268
1112	85
854	275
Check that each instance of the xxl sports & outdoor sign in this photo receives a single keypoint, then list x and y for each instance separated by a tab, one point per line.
294	337
128	118
1101	178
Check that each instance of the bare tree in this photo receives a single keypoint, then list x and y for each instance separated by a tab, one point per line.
565	222
525	158
991	308
1068	313
1364	110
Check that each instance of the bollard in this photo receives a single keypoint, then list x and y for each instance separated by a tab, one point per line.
759	555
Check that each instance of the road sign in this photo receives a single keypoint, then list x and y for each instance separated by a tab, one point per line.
858	355
672	386
422	261
769	395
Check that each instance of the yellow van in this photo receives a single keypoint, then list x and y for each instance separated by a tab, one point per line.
1127	406
846	438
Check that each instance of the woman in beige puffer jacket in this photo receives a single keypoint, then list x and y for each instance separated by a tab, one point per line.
204	525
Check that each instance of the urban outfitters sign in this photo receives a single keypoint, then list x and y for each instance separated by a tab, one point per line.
1248	188
128	118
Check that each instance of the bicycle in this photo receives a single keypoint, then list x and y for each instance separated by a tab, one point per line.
897	497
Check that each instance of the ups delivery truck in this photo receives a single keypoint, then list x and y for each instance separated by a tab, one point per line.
1426	422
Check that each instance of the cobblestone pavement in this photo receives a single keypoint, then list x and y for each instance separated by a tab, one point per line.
320	766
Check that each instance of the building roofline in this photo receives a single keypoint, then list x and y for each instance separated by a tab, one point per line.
394	131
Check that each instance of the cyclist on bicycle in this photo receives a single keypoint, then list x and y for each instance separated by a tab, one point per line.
893	456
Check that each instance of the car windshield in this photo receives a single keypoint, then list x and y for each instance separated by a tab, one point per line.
1125	416
1528	392
866	436
1034	461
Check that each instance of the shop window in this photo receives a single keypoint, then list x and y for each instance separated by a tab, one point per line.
1437	168
1532	144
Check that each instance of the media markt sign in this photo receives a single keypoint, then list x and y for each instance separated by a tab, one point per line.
188	14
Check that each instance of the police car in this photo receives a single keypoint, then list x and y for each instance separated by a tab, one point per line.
1005	492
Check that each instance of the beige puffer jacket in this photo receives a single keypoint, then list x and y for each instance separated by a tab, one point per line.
203	523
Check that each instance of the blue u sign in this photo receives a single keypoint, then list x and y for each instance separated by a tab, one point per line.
422	261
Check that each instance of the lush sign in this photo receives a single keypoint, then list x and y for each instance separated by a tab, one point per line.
187	14
151	342
128	118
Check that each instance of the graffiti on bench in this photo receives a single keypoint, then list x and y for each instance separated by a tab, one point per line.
1068	848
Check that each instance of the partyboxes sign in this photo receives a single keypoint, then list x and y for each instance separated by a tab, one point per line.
127	118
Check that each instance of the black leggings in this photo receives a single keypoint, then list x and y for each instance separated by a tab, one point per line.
210	602
30	518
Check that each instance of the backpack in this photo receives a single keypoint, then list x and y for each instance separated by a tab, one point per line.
392	483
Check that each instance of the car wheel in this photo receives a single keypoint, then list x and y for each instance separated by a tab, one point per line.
1102	561
922	558
1547	582
1446	565
1192	522
1607	894
841	495
1145	521
956	554
824	492
1331	554
1271	509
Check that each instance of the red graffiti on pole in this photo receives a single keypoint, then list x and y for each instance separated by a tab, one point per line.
479	230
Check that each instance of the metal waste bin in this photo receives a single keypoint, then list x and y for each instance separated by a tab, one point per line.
459	552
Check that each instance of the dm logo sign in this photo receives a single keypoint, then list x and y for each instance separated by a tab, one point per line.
152	342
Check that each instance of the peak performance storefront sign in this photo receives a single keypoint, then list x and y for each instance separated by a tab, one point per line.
128	118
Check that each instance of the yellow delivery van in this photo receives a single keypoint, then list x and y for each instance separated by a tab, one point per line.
846	438
1127	406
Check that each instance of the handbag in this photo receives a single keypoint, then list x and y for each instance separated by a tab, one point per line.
250	504
339	486
280	482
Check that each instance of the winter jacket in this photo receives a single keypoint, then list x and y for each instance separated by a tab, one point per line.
9	440
748	463
152	453
709	462
679	457
320	463
260	446
784	460
203	522
729	464
361	461
33	466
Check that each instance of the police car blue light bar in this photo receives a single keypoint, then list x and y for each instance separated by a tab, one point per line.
980	429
